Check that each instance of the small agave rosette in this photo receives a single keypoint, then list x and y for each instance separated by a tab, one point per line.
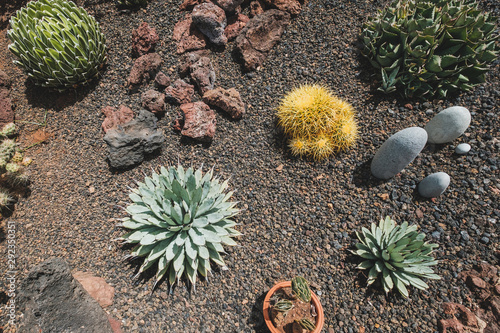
180	219
396	253
58	44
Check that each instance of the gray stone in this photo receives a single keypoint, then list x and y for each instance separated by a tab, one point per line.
53	301
434	185
398	151
462	148
130	142
211	21
448	125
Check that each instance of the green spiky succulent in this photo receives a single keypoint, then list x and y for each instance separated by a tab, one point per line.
283	305
300	289
398	254
306	324
426	48
58	44
180	219
132	3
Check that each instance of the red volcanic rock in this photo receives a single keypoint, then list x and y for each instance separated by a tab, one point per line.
227	100
211	20
97	287
179	92
144	68
162	79
199	121
153	101
203	74
235	24
189	58
144	40
291	6
116	117
188	36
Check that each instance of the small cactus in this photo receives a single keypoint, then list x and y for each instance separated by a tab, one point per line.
5	199
306	324
283	305
300	289
317	123
8	129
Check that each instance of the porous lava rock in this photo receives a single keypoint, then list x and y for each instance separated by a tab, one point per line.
153	101
203	74
97	287
188	36
198	121
462	321
53	301
235	24
189	58
211	20
116	116
189	4
129	143
259	36
162	79
144	69
229	5
291	6
227	100
144	40
179	92
256	8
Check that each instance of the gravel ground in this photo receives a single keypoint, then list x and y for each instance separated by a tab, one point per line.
298	216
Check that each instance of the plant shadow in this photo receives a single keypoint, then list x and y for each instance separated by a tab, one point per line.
256	319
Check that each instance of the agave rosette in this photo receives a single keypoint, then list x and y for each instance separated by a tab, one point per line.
58	44
431	47
398	254
180	219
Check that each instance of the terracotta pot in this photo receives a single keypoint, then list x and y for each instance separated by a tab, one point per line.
320	318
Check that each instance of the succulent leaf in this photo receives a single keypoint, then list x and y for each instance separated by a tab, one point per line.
168	233
397	253
306	324
425	48
300	289
58	44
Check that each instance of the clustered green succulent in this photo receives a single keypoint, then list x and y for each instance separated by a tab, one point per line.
58	44
10	169
425	48
300	289
283	305
398	254
132	3
180	219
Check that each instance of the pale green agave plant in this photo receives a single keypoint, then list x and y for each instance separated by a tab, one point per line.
427	48
58	44
180	219
396	253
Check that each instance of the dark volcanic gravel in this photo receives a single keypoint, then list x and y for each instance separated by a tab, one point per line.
298	216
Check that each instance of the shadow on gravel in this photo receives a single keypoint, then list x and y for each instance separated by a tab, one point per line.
256	319
362	176
2	235
47	98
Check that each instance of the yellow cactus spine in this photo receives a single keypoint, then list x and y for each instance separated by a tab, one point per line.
317	122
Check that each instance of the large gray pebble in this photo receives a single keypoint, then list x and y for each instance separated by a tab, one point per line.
462	148
434	185
448	125
398	151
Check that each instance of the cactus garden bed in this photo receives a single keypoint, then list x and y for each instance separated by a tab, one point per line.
297	215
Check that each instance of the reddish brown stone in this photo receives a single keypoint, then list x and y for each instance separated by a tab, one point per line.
227	100
115	324
153	101
259	36
476	282
144	69
189	58
189	4
256	8
235	24
291	6
199	121
97	287
188	36
116	117
5	80
162	79
180	92
144	40
203	74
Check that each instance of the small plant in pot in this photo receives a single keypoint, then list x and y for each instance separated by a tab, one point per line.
291	307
